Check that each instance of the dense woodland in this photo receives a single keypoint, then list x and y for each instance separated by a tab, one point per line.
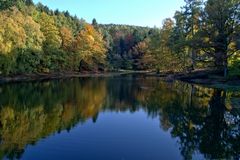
36	39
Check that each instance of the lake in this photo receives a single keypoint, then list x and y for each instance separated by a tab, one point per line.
128	117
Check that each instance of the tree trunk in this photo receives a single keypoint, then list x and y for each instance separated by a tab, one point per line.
221	62
193	59
225	67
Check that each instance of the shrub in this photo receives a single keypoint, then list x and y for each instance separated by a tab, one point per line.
29	61
7	64
234	69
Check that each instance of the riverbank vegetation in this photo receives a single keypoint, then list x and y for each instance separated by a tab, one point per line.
36	39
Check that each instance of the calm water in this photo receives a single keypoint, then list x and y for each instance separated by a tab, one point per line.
118	118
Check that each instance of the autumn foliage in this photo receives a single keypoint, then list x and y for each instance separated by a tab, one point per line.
33	40
36	39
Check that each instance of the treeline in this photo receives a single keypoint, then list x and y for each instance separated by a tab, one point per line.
207	35
123	44
34	38
202	35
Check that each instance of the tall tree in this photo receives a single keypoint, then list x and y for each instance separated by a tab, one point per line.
160	47
221	26
67	38
12	33
50	31
178	38
192	12
94	22
142	57
91	48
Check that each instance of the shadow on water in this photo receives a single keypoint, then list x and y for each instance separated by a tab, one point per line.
205	121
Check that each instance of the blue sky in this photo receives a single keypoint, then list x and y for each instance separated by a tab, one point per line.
133	12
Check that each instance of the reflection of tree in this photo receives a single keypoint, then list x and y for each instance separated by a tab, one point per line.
179	112
212	132
121	94
127	93
195	115
216	132
19	129
59	106
197	119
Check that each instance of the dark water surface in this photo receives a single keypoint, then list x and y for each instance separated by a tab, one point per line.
118	118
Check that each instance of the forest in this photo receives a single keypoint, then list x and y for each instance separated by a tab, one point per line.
202	35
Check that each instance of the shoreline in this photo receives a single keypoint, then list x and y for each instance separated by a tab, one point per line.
201	77
208	78
60	75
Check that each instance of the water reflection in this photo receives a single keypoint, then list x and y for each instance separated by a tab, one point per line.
205	121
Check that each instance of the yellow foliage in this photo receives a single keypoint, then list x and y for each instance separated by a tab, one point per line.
12	34
90	45
67	38
50	31
18	31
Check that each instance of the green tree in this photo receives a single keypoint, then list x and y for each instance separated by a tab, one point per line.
50	32
221	25
5	4
178	38
160	47
192	12
95	24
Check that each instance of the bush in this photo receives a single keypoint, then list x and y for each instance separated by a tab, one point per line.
234	69
29	61
7	64
58	60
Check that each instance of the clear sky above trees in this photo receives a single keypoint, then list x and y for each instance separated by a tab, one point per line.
133	12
